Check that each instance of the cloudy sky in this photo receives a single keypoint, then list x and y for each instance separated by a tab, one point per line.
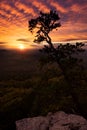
15	14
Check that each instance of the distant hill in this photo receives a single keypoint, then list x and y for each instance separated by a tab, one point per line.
14	62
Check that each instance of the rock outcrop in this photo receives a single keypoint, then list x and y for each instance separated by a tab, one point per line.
57	121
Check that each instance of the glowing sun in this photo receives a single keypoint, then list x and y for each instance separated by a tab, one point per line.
21	47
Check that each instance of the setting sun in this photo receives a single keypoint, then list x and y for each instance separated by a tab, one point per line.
21	47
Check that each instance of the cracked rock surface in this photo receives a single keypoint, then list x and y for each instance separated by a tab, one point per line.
57	121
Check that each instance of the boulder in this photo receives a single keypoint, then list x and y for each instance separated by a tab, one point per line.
57	121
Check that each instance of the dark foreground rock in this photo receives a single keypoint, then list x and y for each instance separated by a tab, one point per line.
57	121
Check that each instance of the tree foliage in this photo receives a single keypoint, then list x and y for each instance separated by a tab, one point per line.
63	52
45	23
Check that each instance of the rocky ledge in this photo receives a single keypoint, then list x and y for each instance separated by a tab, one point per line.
57	121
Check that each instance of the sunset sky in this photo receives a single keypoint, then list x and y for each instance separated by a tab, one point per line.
15	14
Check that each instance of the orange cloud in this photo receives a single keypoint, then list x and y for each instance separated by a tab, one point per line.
70	30
12	15
78	8
2	12
58	7
40	6
25	8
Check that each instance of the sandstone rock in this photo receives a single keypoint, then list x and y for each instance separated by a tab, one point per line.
57	121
